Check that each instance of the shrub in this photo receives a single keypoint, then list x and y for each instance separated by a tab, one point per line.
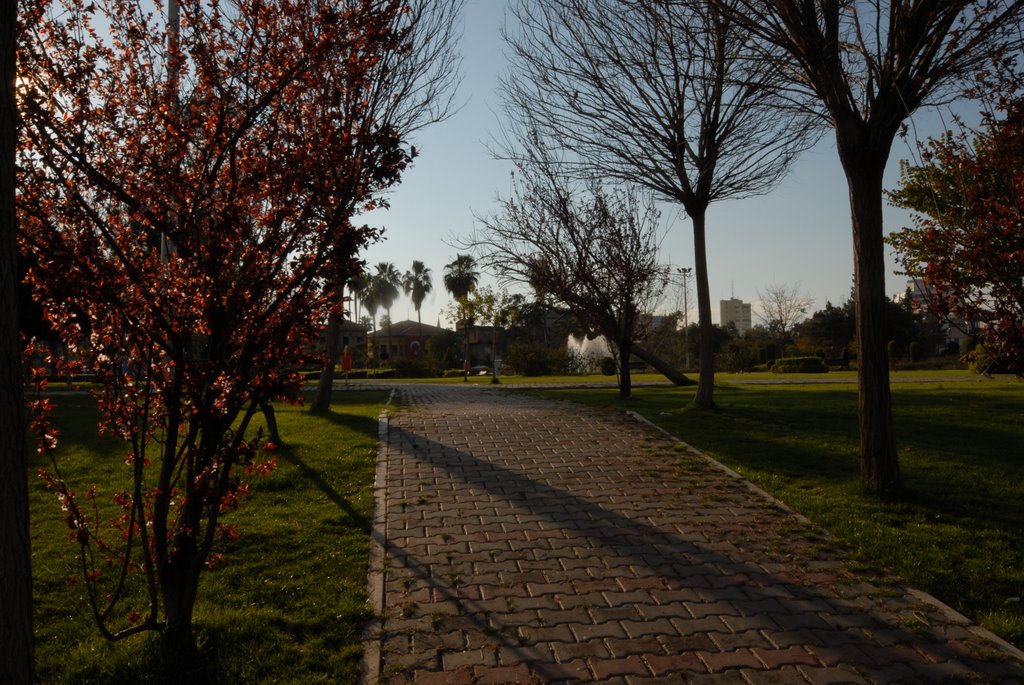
738	358
564	361
408	368
608	366
981	361
453	373
443	351
967	345
799	365
527	359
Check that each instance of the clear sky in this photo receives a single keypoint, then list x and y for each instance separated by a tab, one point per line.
800	233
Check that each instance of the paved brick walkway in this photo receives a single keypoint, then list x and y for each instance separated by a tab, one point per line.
528	541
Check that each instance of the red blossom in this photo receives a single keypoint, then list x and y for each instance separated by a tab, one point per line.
967	242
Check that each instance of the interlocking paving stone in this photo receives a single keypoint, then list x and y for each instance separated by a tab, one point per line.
535	541
722	661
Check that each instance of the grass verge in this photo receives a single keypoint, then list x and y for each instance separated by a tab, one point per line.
290	603
957	528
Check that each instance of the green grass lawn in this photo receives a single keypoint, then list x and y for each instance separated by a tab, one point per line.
568	380
289	604
957	528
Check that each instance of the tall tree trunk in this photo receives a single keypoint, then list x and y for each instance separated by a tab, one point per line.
706	333
880	468
179	585
625	377
16	644
321	403
179	575
271	419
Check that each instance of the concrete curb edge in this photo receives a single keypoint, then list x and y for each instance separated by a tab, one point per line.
373	632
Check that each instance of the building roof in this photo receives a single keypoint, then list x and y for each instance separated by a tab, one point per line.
408	329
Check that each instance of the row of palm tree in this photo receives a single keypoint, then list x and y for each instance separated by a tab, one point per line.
380	289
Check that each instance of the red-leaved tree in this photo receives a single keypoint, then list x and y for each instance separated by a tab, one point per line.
186	188
967	241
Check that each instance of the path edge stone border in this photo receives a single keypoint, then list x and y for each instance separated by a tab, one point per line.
373	632
951	613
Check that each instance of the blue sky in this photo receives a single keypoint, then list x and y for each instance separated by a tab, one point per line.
800	233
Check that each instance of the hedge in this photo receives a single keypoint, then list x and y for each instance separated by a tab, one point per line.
799	365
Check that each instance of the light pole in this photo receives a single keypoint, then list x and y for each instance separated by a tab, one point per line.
685	272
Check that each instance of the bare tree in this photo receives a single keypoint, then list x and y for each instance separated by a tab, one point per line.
782	307
413	89
663	94
16	657
592	248
870	65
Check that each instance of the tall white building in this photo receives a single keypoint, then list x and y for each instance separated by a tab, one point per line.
737	312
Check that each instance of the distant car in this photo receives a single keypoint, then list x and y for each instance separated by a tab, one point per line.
480	371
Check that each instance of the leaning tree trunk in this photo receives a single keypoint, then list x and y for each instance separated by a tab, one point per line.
661	366
880	468
16	655
706	333
321	403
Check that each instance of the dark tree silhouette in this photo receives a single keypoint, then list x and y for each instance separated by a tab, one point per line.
593	249
387	282
663	94
417	284
16	656
461	276
870	65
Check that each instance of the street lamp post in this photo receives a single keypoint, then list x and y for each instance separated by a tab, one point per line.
685	271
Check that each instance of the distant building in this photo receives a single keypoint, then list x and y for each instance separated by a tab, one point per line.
479	341
402	340
350	334
918	293
736	312
954	330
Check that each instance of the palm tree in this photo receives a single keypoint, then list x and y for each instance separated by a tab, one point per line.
371	301
357	287
461	276
387	282
381	291
417	284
